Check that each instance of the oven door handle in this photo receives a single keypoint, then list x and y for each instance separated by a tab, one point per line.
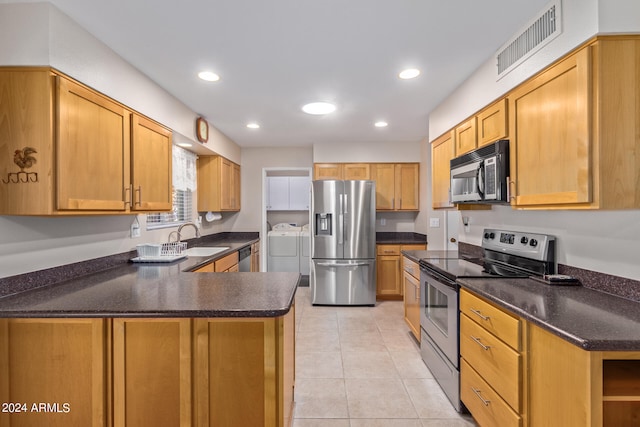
440	278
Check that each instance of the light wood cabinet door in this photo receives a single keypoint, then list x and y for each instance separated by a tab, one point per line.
93	140
492	123
26	91
151	159
388	278
407	186
152	372
59	362
263	350
218	184
466	137
358	171
255	257
551	135
327	171
411	293
442	151
384	176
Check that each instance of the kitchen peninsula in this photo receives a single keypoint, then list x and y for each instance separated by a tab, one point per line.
149	345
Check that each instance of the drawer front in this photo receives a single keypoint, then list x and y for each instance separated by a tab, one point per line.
495	361
501	324
227	262
388	249
486	406
411	267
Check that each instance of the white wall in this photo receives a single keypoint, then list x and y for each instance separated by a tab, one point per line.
603	241
367	152
39	34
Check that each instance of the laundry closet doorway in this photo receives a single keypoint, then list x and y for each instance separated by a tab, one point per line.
285	219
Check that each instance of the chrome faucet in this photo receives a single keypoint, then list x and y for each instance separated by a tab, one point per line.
184	225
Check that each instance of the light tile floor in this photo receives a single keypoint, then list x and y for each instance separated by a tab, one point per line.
360	367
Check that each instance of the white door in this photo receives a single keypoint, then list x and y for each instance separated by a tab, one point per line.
451	236
277	193
299	193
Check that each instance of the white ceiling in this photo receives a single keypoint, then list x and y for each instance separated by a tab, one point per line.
273	56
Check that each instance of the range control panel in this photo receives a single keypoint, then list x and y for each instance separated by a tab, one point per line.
530	245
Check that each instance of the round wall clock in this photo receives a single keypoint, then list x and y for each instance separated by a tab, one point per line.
202	129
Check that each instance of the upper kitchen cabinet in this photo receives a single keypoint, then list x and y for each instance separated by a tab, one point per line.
327	171
67	149
341	171
397	186
358	171
492	123
487	126
288	193
151	157
218	184
573	127
442	151
466	137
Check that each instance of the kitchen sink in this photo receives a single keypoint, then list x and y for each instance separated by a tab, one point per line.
206	251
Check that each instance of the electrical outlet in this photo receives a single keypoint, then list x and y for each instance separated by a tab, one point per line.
434	222
383	221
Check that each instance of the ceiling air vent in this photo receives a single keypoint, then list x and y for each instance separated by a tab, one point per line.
540	31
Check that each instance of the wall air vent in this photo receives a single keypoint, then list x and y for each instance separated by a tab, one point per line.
540	31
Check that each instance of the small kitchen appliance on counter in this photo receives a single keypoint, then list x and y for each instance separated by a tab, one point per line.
505	254
343	243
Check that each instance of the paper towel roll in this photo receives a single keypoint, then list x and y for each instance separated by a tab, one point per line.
210	216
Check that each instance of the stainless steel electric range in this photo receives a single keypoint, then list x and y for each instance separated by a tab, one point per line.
505	254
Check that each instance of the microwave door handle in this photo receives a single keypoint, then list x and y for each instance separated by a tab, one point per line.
480	179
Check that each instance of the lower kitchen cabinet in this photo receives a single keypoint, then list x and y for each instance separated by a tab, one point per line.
226	264
255	257
54	372
515	373
411	294
147	372
263	349
152	372
389	270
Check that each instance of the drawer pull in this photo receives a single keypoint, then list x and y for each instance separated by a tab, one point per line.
485	347
479	314
477	393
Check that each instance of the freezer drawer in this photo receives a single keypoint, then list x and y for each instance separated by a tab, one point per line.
343	282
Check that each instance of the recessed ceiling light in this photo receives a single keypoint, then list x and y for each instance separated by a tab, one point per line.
409	73
319	108
381	124
209	76
253	126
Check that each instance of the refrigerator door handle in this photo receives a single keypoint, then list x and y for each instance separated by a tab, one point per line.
340	225
353	264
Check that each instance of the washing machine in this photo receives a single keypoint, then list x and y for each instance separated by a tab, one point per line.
305	250
283	249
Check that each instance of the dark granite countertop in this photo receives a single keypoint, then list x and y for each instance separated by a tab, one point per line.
592	320
161	290
400	238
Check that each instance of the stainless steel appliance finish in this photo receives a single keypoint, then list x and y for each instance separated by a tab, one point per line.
505	254
343	243
244	259
481	176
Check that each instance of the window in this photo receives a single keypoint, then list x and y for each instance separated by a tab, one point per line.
184	185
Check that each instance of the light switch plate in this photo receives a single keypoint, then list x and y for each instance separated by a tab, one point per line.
434	222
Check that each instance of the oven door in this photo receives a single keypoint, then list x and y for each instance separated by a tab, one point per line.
439	313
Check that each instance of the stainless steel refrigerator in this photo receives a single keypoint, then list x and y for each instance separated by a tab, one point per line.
343	243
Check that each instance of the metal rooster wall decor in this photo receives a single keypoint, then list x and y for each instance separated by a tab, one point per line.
24	159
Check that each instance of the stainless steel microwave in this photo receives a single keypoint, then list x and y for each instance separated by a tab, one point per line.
481	176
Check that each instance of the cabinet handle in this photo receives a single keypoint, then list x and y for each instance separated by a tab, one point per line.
477	340
478	393
416	290
127	195
479	314
393	203
139	191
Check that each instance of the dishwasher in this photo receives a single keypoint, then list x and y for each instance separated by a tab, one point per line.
244	259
